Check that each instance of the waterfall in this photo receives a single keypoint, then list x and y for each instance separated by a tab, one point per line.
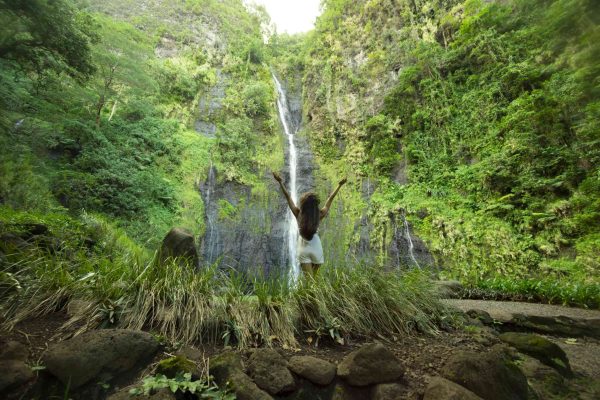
292	224
411	246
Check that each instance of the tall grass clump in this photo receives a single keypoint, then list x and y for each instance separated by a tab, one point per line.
367	301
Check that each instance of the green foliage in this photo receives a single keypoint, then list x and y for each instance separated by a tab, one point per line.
550	290
182	383
488	107
258	99
44	35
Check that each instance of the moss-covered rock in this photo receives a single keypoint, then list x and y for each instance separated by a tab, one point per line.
541	348
545	381
227	369
170	367
491	376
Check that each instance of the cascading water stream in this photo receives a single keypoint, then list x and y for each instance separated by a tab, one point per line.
411	246
292	224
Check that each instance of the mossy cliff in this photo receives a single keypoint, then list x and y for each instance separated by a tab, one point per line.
477	120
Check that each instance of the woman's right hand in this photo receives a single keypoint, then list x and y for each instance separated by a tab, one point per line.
277	176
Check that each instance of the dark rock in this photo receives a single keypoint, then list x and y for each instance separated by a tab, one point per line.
269	370
33	229
491	376
344	391
110	351
13	374
388	391
14	351
449	289
227	368
170	367
10	242
443	389
482	316
559	325
372	363
179	243
306	390
314	369
541	348
545	381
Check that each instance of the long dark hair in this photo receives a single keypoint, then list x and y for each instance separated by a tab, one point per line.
310	215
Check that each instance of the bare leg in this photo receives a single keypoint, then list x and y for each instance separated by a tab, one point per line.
315	269
307	269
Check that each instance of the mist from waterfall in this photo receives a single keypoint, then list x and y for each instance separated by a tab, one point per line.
292	224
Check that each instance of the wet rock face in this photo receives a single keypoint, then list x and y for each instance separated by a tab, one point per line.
210	104
241	232
491	375
112	351
372	363
406	249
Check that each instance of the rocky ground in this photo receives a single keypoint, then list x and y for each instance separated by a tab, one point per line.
485	358
497	351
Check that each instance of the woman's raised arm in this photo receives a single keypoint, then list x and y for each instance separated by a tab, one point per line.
325	209
295	210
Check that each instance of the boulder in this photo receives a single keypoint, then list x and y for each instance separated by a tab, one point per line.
545	381
13	370
13	374
227	368
443	389
269	370
314	369
541	348
388	391
112	351
491	376
449	289
14	351
370	364
179	243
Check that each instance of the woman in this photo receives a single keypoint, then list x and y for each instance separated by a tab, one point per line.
308	215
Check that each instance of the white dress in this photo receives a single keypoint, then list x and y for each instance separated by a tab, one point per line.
310	251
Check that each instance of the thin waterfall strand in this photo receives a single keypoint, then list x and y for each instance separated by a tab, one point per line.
292	224
411	246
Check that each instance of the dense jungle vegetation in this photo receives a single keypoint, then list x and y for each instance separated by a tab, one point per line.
478	120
